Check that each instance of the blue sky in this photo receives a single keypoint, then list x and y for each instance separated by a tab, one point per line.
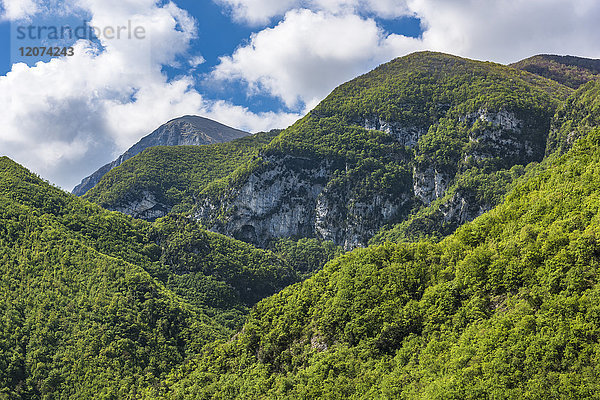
218	35
266	63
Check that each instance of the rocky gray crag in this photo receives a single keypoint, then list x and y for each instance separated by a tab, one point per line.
296	197
145	207
299	197
185	131
498	138
277	200
406	135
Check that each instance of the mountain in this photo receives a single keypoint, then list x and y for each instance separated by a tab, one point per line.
150	184
401	102
96	304
507	307
573	119
78	322
428	141
425	130
567	70
187	130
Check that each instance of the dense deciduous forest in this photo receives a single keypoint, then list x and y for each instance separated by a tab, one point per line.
96	303
507	307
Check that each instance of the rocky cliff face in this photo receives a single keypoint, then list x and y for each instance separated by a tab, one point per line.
429	184
184	131
145	207
294	196
407	135
492	135
461	208
349	221
499	136
277	200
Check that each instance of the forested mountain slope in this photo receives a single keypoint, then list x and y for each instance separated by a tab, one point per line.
507	307
386	145
574	118
186	130
95	304
568	70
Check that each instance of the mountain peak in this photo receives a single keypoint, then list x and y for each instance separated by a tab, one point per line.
188	130
197	131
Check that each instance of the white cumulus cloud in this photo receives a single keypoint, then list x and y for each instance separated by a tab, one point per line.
18	9
309	53
65	118
506	31
256	12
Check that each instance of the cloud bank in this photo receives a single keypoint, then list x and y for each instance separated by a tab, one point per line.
258	12
309	53
18	9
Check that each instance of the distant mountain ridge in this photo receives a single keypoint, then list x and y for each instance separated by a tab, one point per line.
188	130
150	184
570	71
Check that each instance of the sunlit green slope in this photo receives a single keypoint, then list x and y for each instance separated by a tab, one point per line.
89	304
507	307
